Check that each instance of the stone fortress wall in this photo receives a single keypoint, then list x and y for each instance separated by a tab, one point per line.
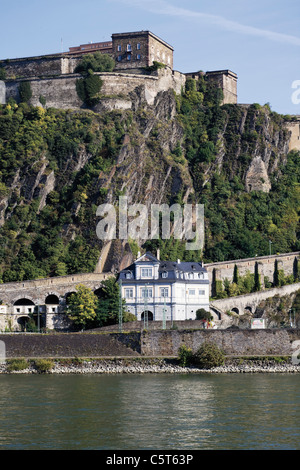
265	264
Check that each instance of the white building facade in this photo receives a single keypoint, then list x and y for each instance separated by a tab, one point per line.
164	290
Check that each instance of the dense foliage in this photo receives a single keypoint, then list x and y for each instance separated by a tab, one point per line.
56	236
207	356
238	224
89	86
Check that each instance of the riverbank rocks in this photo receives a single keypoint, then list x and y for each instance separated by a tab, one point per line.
159	366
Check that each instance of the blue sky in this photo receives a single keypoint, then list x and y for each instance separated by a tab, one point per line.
257	39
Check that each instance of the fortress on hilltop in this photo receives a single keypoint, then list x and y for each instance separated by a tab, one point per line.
52	76
53	80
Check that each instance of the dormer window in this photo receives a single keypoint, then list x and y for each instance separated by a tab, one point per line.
164	274
200	275
146	272
128	275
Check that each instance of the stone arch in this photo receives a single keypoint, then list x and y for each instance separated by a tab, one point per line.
235	310
248	309
148	314
52	299
97	291
23	321
23	301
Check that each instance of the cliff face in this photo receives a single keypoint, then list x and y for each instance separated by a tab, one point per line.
58	166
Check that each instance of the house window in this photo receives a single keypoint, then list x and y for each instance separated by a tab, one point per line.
201	292
129	293
164	292
164	274
138	46
146	272
138	57
200	275
192	292
128	47
119	48
147	293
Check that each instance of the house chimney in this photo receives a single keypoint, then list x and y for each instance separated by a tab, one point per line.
158	254
178	261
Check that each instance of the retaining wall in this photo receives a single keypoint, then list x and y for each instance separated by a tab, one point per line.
154	343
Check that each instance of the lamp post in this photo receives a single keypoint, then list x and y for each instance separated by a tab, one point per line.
270	247
120	306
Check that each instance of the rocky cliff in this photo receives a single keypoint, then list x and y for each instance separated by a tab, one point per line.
58	166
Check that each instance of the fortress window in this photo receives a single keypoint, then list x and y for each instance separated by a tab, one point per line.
138	56
128	47
119	48
138	46
119	58
129	57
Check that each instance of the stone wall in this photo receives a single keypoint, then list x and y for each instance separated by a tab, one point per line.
232	342
32	345
60	92
294	128
266	267
30	67
250	302
161	343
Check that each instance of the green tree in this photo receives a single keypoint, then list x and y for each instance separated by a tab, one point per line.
25	92
96	62
109	304
88	89
82	306
257	283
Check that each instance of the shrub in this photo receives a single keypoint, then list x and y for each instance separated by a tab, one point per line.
2	73
208	355
43	365
16	364
184	355
202	314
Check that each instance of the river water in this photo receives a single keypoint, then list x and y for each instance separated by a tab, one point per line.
150	412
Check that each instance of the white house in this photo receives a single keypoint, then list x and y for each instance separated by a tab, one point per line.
165	290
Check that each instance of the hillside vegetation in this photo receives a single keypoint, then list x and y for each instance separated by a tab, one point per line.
57	167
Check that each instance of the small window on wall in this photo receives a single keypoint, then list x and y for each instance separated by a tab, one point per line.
128	47
138	57
119	58
164	292
138	46
129	57
119	48
128	293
